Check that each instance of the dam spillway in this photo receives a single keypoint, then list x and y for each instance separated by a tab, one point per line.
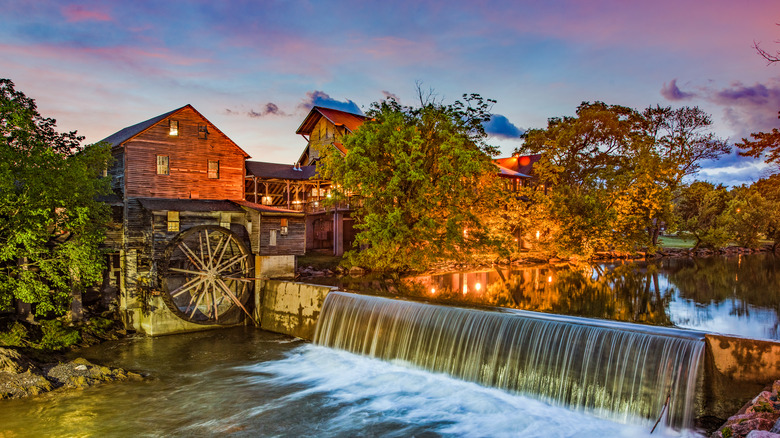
624	372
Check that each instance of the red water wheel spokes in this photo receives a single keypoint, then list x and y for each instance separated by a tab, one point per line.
207	276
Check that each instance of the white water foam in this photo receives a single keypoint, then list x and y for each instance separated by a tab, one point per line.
360	394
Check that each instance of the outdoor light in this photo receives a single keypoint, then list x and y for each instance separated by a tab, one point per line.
549	279
478	286
433	290
465	289
537	234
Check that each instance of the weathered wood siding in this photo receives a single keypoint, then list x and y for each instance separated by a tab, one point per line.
117	172
324	135
188	157
293	243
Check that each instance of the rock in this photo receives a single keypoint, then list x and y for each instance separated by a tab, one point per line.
11	361
761	434
357	271
23	385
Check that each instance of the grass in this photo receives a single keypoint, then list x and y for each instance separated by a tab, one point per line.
675	242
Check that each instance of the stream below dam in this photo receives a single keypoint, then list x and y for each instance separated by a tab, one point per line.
248	382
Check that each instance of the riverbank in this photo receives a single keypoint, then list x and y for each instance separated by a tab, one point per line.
323	265
21	376
759	418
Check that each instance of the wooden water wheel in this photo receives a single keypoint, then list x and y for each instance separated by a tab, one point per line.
206	276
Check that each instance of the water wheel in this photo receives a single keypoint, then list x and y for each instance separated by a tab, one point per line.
206	276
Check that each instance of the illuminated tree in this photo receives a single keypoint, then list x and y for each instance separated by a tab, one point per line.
51	222
425	180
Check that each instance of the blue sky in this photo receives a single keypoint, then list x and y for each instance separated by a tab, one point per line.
255	67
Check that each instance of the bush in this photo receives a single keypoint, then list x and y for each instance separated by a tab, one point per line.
56	336
15	336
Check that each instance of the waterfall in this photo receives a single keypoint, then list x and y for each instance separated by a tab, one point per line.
620	371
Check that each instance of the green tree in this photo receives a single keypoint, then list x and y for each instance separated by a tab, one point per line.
747	216
769	188
51	222
614	171
590	160
681	140
700	207
425	180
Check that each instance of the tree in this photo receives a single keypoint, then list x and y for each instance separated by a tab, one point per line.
764	145
425	180
51	222
599	165
769	188
681	140
700	207
747	216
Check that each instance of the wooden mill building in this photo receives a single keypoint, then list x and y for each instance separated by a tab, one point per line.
184	234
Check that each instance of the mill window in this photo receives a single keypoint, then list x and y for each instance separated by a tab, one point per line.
213	169
173	221
203	131
162	165
173	127
283	231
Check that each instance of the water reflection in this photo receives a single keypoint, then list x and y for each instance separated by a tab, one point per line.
737	295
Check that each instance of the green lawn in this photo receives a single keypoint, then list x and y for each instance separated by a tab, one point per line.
675	242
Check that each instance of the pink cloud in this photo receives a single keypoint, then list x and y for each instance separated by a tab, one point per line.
672	92
76	13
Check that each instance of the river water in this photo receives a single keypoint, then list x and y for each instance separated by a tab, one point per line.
735	295
247	382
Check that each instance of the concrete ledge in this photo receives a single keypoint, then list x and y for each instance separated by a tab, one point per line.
292	308
735	370
159	320
275	266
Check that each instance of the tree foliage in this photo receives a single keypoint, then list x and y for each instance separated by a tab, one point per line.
764	145
614	171
425	181
51	222
699	208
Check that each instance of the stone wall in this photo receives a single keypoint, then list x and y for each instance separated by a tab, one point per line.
735	370
291	308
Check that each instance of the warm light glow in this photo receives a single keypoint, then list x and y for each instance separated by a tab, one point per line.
433	290
329	195
524	161
739	210
465	289
549	279
478	286
465	233
266	200
537	235
515	240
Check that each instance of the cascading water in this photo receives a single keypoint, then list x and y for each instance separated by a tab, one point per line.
620	371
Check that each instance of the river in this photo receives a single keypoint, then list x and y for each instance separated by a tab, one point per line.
733	295
247	382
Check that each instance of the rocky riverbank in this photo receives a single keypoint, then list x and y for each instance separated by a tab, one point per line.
760	418
21	376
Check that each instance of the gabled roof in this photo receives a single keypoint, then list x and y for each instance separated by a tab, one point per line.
118	138
281	171
508	173
122	136
523	164
339	118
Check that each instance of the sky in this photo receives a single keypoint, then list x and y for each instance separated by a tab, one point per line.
255	68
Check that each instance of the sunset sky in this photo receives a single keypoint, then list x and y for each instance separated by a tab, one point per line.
254	68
